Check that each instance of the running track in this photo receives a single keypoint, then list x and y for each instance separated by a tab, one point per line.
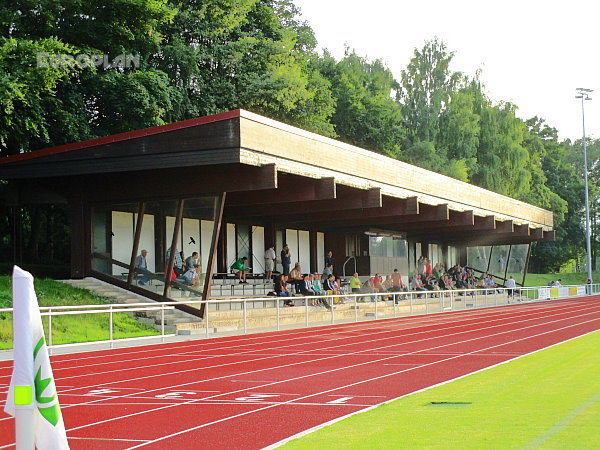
256	390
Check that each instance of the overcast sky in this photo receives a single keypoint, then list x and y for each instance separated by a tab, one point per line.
532	53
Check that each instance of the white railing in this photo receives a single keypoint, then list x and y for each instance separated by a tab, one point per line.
313	310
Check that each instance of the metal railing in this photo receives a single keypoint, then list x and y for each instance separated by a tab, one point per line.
310	311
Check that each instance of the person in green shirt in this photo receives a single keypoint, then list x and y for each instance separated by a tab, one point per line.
239	268
355	283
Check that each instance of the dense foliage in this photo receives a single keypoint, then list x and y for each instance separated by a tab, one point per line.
199	57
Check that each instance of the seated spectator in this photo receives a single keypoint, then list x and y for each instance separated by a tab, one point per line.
177	262
141	266
282	291
355	283
328	270
191	261
306	286
318	288
295	277
416	284
190	277
239	268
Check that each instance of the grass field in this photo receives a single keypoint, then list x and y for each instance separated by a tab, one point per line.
69	329
549	399
542	279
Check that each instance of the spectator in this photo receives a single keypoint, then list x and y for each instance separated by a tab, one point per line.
416	284
190	277
282	291
511	286
328	270
177	262
141	266
355	283
270	257
330	260
239	268
192	261
295	277
286	259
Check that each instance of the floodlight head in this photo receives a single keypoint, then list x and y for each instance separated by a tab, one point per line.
581	90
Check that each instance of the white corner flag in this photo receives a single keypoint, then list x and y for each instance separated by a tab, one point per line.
32	397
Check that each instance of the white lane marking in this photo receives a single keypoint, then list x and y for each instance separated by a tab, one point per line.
342	387
255	397
175	394
371	362
337	401
319	359
352	353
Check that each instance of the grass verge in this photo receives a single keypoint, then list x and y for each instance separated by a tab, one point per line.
69	329
549	399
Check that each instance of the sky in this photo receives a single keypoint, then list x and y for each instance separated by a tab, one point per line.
532	53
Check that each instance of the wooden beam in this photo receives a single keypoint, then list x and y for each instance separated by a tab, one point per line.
182	182
504	226
173	248
549	236
289	189
136	242
212	256
536	234
358	199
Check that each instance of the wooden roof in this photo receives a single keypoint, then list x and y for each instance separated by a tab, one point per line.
292	172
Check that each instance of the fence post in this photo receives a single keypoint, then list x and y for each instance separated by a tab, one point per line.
376	298
355	308
49	331
245	317
410	296
332	313
306	311
206	317
110	325
277	303
162	323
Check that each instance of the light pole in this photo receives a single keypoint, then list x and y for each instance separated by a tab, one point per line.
584	94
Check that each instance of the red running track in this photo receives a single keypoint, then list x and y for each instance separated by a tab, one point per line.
254	391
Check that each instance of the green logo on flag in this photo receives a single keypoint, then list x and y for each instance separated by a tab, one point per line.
50	413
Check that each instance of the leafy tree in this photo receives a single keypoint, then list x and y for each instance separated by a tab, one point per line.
366	113
427	84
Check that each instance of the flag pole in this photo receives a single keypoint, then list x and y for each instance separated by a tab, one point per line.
24	429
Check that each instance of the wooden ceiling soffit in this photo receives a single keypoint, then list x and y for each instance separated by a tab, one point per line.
185	182
391	210
290	189
360	199
454	219
454	228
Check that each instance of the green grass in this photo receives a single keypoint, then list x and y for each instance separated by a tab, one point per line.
69	329
542	279
549	399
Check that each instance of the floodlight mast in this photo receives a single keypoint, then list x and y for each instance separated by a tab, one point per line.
583	94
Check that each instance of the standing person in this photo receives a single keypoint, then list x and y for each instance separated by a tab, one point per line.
239	268
141	266
330	260
269	262
511	285
286	259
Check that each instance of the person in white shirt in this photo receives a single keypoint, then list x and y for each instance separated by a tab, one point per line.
269	262
511	286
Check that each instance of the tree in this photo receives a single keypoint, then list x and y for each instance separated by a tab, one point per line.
366	113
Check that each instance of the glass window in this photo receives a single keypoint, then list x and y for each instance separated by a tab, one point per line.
517	261
478	257
499	260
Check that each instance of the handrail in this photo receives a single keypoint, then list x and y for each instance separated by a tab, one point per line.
348	259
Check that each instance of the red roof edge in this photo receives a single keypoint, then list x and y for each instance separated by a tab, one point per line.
121	136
